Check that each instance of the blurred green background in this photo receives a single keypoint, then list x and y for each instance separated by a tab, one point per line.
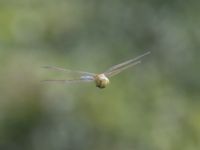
153	106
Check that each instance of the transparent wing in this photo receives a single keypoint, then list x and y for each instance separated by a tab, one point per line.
117	71
125	65
72	76
69	71
68	80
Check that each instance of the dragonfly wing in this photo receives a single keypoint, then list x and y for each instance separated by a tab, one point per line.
72	76
68	70
125	65
82	79
117	71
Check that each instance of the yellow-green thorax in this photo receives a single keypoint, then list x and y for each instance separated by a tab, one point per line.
101	80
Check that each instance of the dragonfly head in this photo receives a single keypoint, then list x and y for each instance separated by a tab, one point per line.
101	81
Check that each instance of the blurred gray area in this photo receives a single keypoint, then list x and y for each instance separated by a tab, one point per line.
153	106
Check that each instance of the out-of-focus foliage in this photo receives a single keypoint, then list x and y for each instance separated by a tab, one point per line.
153	106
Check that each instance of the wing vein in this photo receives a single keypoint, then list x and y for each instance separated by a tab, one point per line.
124	65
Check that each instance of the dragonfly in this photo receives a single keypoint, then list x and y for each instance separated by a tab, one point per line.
101	80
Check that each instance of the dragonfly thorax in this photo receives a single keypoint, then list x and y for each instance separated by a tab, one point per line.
101	80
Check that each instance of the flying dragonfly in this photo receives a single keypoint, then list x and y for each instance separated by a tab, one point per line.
101	80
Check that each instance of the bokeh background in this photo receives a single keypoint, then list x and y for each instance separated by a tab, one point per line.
153	106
